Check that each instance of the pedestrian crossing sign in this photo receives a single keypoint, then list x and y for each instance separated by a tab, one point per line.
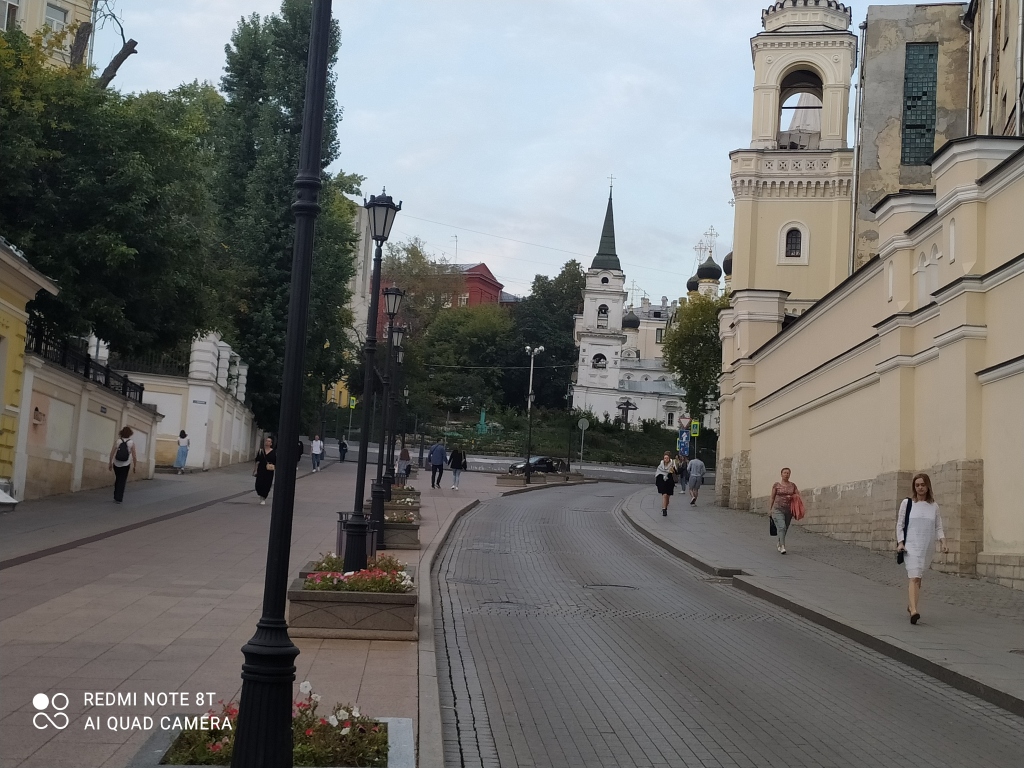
352	402
694	428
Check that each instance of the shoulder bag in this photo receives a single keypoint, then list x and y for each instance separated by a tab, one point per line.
906	522
796	506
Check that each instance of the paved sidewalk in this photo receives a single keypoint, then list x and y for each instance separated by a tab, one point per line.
971	632
166	606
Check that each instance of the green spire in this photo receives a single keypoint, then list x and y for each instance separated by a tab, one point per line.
606	257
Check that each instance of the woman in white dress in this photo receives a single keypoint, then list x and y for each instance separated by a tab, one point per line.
922	529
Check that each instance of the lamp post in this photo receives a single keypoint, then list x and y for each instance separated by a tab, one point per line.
382	211
529	410
397	335
378	490
264	726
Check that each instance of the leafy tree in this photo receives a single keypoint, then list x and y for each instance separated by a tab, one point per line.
430	286
464	352
264	84
109	196
545	318
693	351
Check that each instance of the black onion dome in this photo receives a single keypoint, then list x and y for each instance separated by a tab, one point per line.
709	270
630	320
692	284
727	264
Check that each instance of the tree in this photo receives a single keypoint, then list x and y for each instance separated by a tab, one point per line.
693	351
264	84
463	352
109	196
430	286
545	318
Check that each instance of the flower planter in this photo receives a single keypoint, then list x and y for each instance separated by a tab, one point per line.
510	481
397	506
352	615
308	569
401	745
402	535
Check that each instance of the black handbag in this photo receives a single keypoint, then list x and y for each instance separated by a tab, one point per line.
906	522
772	530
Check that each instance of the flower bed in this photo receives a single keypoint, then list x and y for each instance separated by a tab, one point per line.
379	602
400	515
343	737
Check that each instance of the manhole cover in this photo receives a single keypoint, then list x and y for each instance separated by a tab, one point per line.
609	586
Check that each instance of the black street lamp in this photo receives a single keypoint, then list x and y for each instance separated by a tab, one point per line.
397	335
264	727
379	490
532	352
352	530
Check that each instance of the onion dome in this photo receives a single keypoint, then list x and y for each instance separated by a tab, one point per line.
692	284
727	264
709	270
630	321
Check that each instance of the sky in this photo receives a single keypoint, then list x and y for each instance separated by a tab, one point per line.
498	123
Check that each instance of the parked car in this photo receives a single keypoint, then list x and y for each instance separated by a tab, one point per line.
538	464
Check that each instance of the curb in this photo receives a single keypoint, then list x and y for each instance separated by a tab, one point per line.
430	738
538	487
893	650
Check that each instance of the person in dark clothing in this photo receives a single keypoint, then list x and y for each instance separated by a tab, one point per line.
342	448
263	471
437	458
457	461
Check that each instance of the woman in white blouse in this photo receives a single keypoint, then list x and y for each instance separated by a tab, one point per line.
918	541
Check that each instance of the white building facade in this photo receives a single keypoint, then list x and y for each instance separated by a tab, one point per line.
620	346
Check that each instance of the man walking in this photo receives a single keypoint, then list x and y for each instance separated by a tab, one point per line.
342	447
437	459
696	469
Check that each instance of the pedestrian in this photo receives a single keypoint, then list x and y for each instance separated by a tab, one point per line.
682	474
122	456
917	527
437	458
695	469
298	454
402	467
457	461
665	480
316	450
780	507
183	445
263	471
342	447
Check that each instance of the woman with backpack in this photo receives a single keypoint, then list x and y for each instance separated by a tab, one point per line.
266	463
183	444
917	527
122	456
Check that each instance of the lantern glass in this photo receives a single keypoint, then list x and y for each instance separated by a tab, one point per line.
392	301
381	209
397	335
401	359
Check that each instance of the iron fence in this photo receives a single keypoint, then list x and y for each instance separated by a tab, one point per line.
68	354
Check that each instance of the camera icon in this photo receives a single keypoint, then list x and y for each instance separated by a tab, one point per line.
58	720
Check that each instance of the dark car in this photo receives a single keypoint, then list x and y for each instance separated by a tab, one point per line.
538	464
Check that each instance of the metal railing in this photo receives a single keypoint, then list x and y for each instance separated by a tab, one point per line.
67	354
166	364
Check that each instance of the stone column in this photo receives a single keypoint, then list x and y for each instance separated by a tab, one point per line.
233	374
202	363
78	438
223	363
32	364
243	374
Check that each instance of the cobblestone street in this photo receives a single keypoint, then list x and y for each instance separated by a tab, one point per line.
566	639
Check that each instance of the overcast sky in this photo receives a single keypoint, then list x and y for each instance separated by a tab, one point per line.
499	122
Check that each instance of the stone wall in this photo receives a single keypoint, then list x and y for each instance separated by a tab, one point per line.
739	481
723	481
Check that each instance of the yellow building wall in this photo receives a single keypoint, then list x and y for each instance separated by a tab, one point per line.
12	348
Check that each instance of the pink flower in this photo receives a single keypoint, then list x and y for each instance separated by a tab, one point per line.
215	747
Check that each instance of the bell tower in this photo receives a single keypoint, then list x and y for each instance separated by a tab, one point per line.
793	185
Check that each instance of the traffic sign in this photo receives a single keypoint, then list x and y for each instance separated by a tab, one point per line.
351	402
583	424
694	428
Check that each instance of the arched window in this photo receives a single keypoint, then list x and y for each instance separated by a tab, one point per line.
604	281
599	361
671	419
602	316
800	95
794	241
921	279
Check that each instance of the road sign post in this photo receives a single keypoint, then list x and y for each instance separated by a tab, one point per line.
584	425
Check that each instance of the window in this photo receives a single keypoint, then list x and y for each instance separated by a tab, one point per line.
463	299
604	281
952	240
919	80
8	14
602	316
599	361
659	333
794	241
671	419
56	17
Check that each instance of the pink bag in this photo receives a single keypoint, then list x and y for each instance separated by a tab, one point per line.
796	507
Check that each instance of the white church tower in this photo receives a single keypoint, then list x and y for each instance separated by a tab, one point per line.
599	332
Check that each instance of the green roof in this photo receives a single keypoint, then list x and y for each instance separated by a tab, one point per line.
606	257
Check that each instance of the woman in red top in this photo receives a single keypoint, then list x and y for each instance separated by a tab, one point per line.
780	506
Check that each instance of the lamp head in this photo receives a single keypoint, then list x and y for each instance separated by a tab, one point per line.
392	301
382	210
398	335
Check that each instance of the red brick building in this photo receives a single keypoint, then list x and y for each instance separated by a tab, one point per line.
481	286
